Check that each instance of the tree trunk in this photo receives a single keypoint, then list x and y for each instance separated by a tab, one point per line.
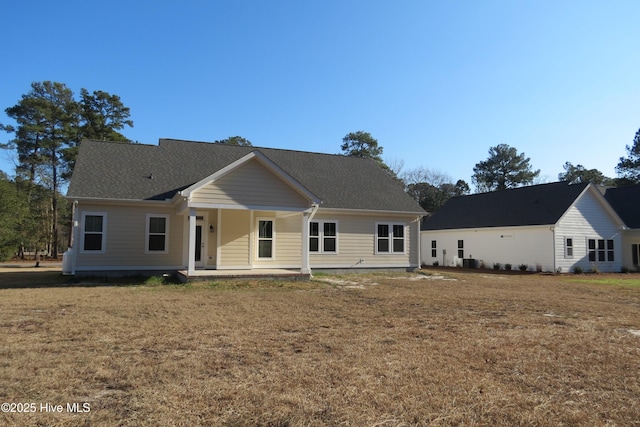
54	205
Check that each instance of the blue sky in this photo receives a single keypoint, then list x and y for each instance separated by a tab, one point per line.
437	83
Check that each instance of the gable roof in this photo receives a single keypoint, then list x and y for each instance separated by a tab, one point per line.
626	202
534	205
120	171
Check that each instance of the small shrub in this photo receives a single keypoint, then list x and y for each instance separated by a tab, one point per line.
539	268
507	267
435	263
482	265
594	270
558	270
496	266
577	269
624	269
523	267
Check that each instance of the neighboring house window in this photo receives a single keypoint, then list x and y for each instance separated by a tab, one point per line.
265	238
434	249
157	232
460	249
568	247
323	237
390	238
94	232
635	254
600	250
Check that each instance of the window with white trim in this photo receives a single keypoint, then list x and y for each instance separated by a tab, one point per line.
265	238
390	238
568	247
157	232
434	249
461	249
94	232
323	237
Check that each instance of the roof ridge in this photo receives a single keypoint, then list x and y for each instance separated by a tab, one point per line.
255	147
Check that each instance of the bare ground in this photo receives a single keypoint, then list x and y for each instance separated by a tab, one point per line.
443	349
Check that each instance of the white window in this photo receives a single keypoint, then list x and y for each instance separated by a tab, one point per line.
323	237
157	232
265	238
568	247
94	232
390	238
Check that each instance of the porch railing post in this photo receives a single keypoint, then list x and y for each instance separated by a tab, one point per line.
305	268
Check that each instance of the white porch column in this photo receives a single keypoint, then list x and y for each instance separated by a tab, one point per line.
305	268
192	242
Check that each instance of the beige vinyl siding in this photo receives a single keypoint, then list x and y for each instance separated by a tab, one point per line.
287	240
252	184
125	238
212	238
234	239
357	245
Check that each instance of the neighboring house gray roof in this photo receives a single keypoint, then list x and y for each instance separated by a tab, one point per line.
535	205
109	170
626	202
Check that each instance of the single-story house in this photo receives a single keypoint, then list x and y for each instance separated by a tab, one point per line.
202	208
549	227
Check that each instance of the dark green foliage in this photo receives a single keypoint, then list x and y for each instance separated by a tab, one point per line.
361	144
235	140
432	197
504	168
629	167
12	208
50	123
578	174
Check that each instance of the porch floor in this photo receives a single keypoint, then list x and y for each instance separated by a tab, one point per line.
271	273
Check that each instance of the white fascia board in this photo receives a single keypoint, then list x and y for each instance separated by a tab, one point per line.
129	202
343	211
248	207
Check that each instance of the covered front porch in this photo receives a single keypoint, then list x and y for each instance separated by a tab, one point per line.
225	242
249	216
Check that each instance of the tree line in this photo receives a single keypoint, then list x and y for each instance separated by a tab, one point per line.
50	121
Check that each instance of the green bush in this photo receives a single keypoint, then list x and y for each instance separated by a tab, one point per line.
523	267
496	266
577	269
507	267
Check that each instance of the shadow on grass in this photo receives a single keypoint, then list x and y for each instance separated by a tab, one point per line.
55	279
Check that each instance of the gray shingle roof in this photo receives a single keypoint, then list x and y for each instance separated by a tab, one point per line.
626	202
535	205
109	170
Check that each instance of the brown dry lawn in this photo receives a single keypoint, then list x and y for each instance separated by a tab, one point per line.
376	350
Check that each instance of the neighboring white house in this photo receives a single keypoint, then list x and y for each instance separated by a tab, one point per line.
549	227
626	202
201	208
